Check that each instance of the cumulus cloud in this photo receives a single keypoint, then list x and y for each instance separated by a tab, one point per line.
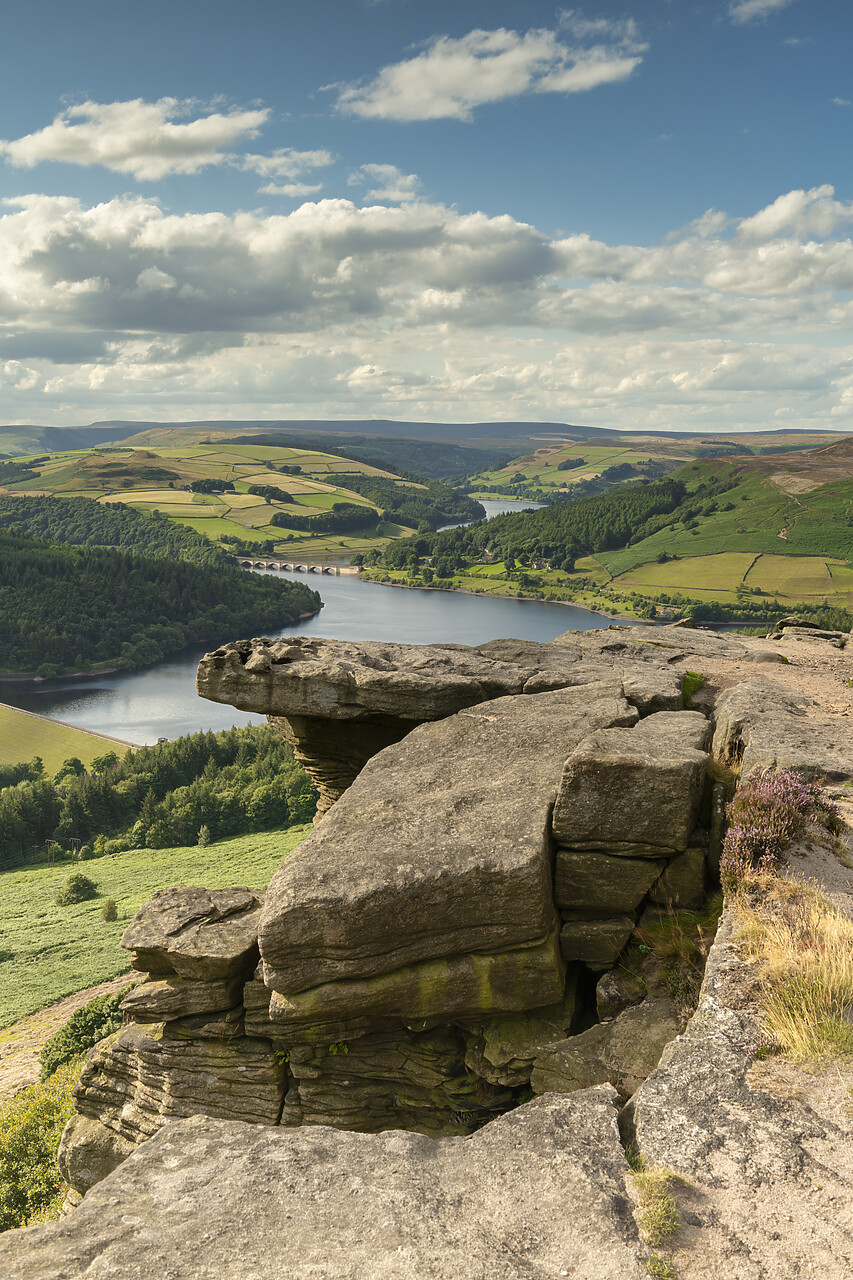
392	184
812	212
419	310
452	76
743	11
145	139
286	162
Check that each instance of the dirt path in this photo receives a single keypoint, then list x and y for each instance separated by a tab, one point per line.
21	1044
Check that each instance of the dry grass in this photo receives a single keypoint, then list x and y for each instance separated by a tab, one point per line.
805	947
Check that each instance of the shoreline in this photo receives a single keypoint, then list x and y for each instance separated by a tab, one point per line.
465	591
18	678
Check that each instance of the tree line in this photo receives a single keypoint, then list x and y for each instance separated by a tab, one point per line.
82	522
231	782
71	608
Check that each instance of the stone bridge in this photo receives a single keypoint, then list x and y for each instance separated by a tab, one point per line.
295	566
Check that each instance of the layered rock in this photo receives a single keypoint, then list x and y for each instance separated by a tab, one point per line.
415	957
465	879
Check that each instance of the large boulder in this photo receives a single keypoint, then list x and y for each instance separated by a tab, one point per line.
634	792
339	703
439	849
194	933
764	725
522	1199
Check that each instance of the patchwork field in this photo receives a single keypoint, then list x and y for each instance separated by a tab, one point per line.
47	951
23	736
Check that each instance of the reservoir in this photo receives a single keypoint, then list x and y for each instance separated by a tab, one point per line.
161	701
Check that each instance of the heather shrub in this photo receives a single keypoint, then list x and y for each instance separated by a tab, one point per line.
769	812
109	910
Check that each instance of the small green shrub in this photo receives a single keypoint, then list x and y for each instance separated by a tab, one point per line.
693	682
203	836
96	1020
77	888
31	1125
109	910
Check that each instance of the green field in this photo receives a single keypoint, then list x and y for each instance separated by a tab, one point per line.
23	736
47	952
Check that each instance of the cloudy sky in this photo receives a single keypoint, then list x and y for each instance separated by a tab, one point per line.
630	215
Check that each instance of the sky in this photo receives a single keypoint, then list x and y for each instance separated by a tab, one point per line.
633	215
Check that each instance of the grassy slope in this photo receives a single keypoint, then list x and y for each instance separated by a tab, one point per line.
23	736
56	951
133	476
745	546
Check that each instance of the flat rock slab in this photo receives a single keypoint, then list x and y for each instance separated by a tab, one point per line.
764	725
343	680
439	848
635	791
202	934
521	1199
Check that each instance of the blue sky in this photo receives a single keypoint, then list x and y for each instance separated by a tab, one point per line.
631	215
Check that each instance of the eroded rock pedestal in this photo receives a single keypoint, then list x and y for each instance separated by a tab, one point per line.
428	956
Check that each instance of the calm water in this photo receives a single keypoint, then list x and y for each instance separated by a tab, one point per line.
161	701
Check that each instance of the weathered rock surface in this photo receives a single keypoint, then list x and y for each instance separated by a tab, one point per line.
202	934
771	1177
763	725
683	883
502	1050
339	703
634	792
599	943
468	871
616	990
520	1200
622	1052
88	1153
448	988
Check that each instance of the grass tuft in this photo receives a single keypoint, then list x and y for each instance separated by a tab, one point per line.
658	1216
805	947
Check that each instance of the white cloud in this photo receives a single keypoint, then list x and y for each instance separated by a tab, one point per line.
286	163
742	11
294	190
841	102
137	137
334	310
812	212
452	76
392	184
